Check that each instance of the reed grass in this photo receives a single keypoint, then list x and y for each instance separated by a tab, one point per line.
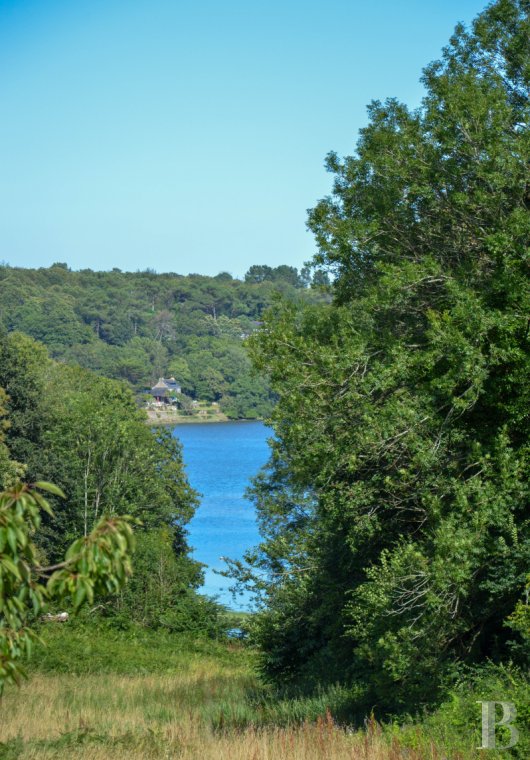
136	695
160	716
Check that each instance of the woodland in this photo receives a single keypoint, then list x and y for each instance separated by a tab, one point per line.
391	583
140	326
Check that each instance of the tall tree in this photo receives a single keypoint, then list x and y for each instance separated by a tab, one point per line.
394	510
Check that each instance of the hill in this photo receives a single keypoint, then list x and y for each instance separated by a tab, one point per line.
140	326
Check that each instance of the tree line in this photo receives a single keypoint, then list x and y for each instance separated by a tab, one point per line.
140	326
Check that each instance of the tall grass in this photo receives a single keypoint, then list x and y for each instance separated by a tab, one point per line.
134	694
162	716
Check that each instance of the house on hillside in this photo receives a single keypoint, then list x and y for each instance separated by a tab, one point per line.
165	390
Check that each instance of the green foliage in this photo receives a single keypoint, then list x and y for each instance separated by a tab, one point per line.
520	619
456	723
140	326
88	645
176	681
86	433
161	593
103	455
393	512
98	563
10	470
284	274
24	365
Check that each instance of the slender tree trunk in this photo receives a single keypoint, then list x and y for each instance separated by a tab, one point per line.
85	479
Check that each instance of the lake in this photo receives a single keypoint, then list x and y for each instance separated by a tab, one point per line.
220	460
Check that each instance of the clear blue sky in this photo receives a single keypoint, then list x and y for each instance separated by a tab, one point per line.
190	136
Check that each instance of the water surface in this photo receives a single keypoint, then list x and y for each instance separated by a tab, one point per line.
220	460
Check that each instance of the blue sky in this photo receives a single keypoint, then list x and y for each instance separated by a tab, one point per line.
190	136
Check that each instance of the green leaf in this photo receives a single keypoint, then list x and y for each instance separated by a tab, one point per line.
79	596
8	563
50	488
12	540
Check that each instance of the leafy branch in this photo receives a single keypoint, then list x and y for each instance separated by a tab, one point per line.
98	563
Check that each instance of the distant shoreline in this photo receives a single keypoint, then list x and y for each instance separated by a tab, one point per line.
170	420
163	418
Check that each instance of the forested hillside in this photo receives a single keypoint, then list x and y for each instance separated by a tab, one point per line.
141	326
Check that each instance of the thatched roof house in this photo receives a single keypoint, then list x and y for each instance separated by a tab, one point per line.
165	390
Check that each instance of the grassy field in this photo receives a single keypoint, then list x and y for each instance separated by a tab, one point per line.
114	694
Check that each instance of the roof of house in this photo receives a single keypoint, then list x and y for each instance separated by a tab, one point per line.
163	386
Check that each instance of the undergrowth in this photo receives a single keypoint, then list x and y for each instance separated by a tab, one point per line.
101	692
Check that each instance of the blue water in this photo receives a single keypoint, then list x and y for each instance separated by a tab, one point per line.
220	460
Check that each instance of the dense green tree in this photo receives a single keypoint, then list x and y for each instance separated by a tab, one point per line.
161	592
210	383
320	279
106	459
258	273
24	368
179	367
11	471
283	273
51	321
88	433
394	515
287	274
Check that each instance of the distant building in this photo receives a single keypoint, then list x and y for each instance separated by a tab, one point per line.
164	391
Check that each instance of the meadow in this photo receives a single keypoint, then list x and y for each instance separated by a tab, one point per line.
95	694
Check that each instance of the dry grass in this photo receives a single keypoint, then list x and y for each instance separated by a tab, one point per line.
91	717
95	692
